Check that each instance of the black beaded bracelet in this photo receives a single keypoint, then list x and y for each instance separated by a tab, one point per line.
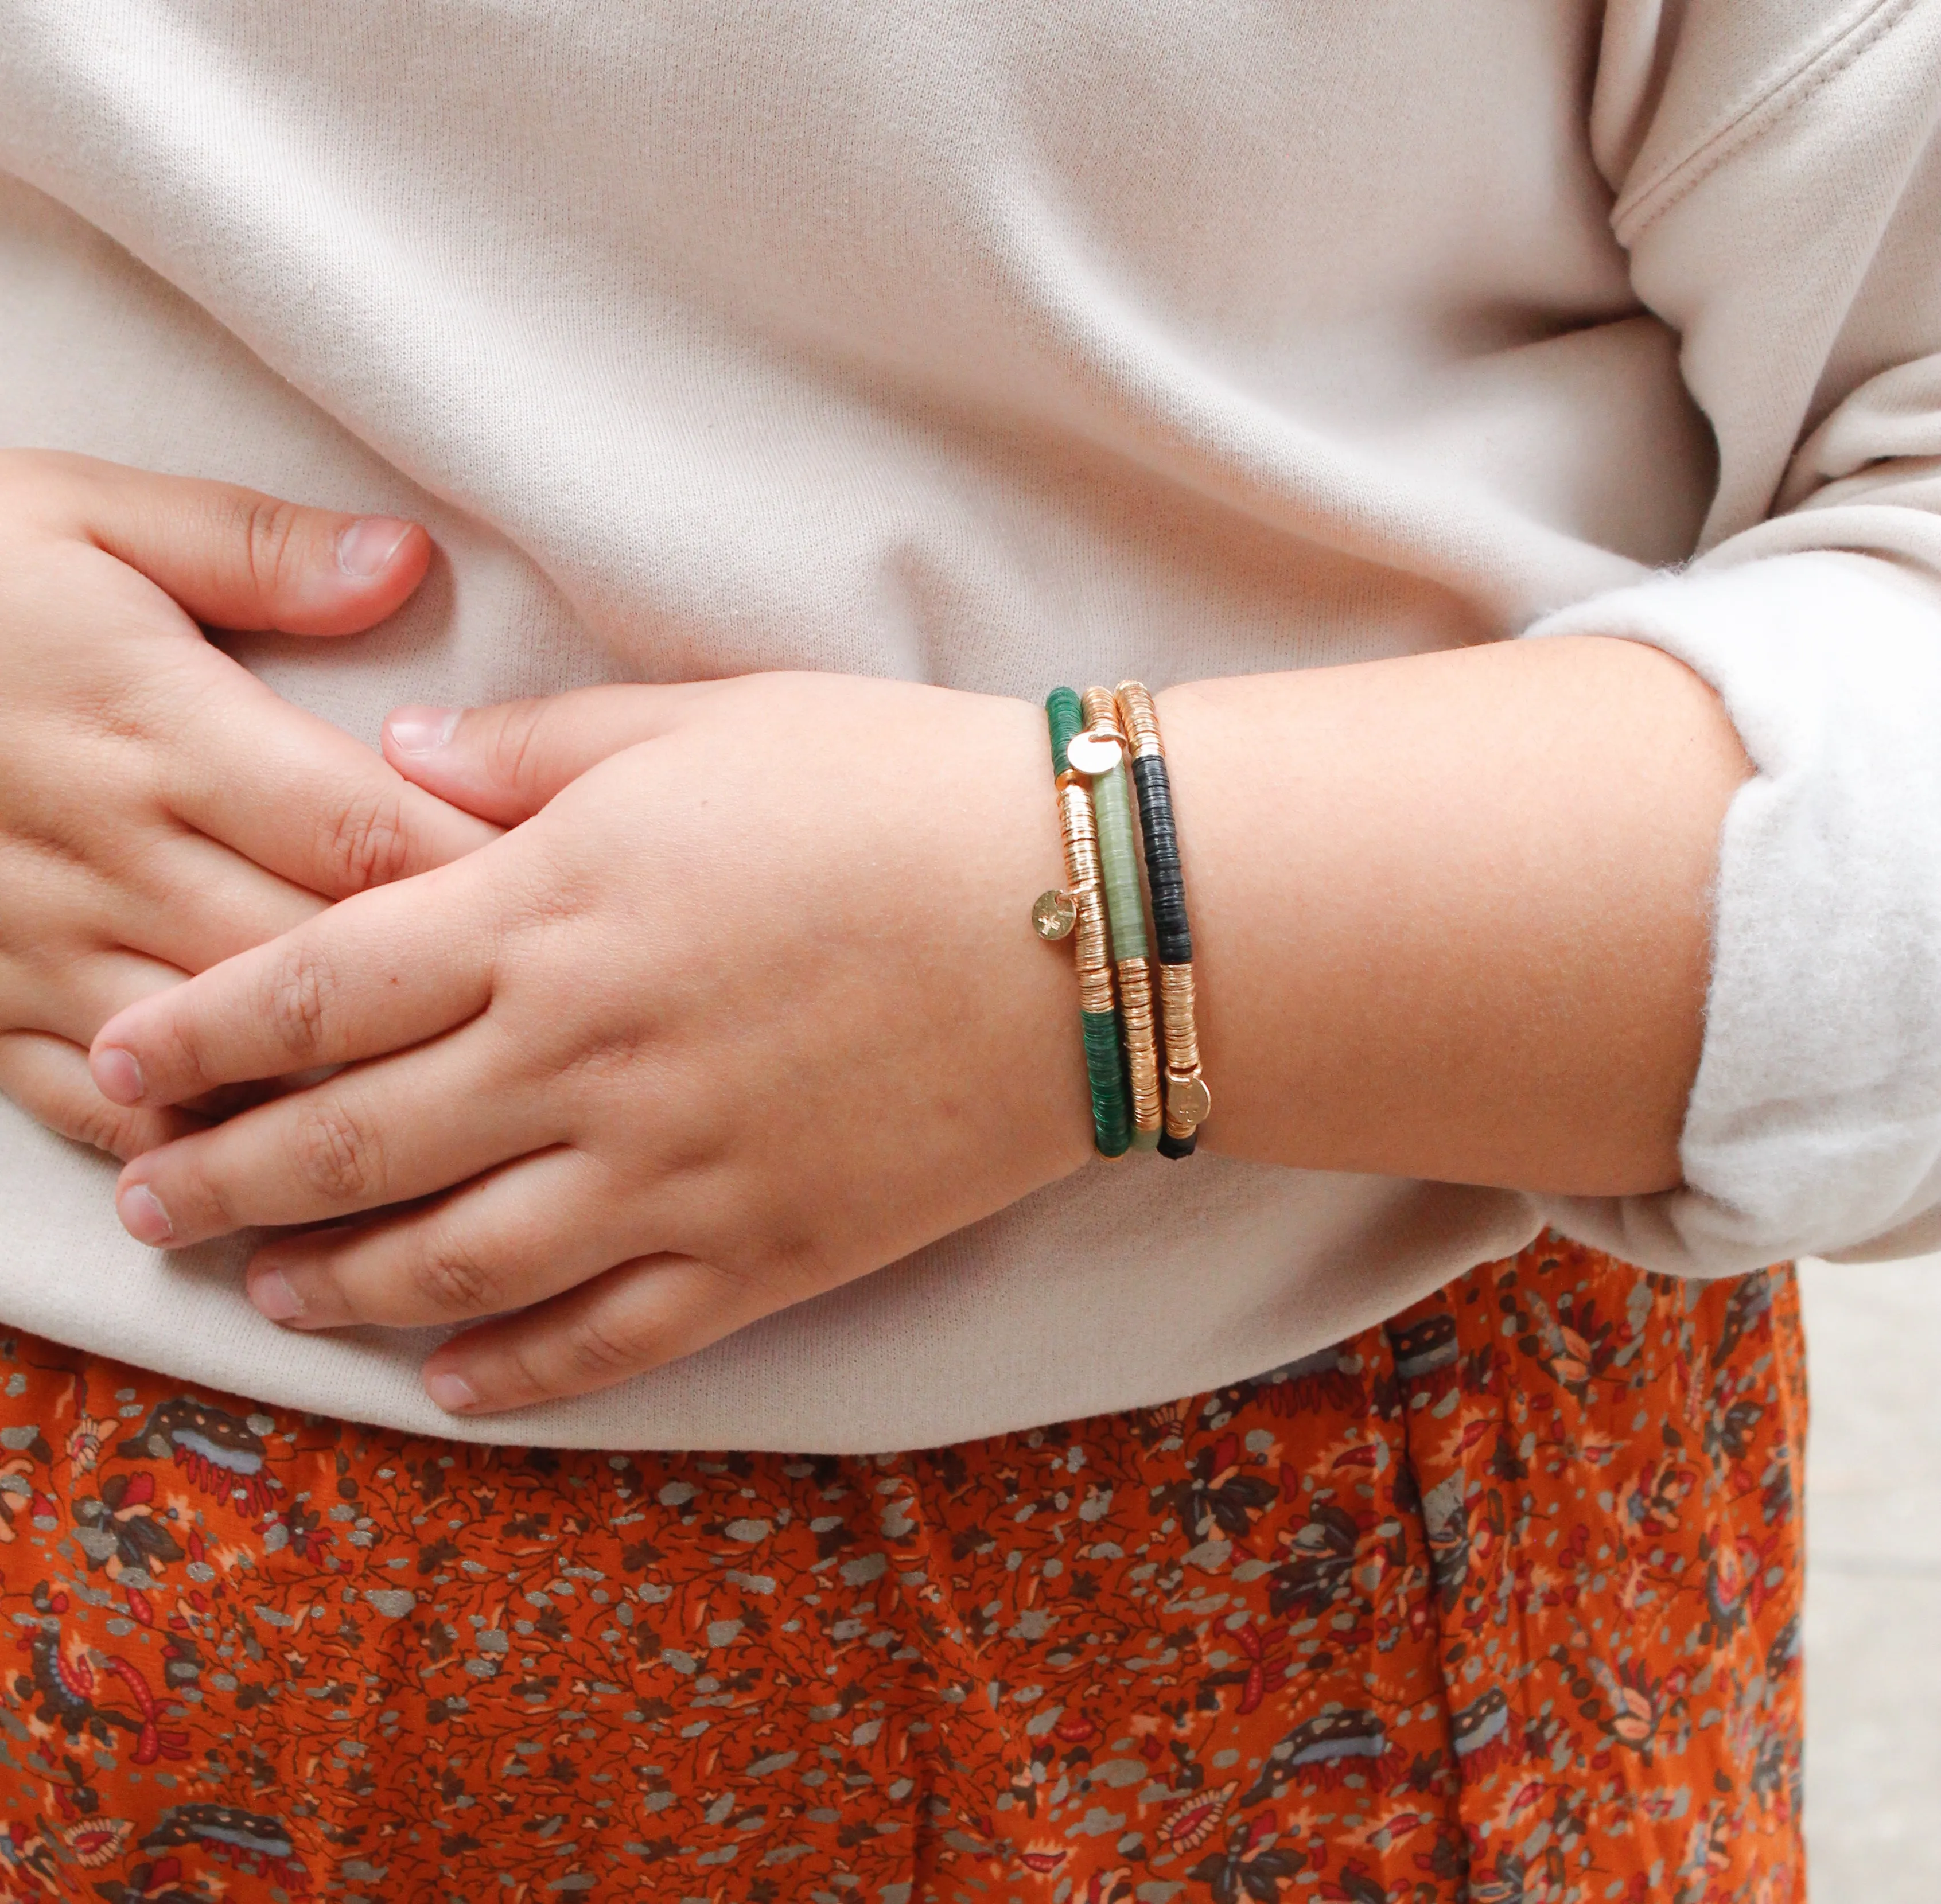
1165	885
1188	1099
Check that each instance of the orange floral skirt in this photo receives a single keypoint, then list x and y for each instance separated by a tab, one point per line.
1498	1603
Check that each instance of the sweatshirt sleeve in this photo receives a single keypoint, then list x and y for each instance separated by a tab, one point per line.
1776	165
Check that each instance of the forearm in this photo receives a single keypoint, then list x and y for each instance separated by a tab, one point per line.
1450	912
745	1004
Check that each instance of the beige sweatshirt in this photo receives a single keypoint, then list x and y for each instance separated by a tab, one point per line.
1000	343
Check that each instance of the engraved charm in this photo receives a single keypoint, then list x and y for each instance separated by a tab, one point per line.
1188	1099
1093	753
1054	914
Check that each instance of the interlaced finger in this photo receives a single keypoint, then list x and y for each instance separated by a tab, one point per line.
303	799
638	1315
47	1077
405	1127
511	1238
74	1000
385	970
192	902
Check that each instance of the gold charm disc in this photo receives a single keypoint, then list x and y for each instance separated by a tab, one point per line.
1054	914
1188	1099
1095	754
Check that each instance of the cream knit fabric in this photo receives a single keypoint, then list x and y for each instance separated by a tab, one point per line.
999	344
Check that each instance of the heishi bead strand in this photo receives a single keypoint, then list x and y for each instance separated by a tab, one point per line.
1187	1101
1125	907
1080	912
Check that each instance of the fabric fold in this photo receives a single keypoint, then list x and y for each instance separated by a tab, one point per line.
1815	1123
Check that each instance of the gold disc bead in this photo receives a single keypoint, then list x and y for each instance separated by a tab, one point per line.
1096	992
1091	950
1087	888
1140	720
1100	707
1188	1101
1182	1040
1080	834
1135	999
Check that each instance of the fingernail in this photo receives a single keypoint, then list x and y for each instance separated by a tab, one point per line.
270	1290
422	730
142	1216
453	1393
118	1075
365	548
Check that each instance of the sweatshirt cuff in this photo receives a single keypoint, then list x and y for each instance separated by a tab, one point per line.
1814	1123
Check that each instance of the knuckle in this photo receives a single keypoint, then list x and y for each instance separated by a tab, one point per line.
272	541
296	1011
336	1155
514	741
196	1201
597	1350
365	843
175	1058
449	1280
738	1280
102	1127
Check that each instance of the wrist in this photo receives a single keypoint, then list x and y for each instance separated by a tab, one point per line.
1001	852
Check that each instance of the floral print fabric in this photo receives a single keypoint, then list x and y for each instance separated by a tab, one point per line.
1497	1603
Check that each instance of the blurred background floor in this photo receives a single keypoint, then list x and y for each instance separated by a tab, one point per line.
1873	1593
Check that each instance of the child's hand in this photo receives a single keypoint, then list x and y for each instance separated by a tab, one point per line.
752	1006
161	809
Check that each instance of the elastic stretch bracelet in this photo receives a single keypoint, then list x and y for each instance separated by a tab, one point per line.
1080	912
1188	1101
1125	908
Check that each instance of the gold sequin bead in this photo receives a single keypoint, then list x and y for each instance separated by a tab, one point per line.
1135	999
1092	953
1086	881
1101	712
1141	719
1095	991
1187	1101
1079	831
1182	1039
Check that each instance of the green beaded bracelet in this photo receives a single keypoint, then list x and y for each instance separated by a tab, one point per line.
1111	1124
1081	910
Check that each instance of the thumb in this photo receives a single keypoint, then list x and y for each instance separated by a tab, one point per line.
504	763
234	558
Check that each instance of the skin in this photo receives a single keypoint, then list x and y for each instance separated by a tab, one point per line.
746	1003
161	809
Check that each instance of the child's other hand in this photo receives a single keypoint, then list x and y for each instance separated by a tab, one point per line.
161	809
752	1006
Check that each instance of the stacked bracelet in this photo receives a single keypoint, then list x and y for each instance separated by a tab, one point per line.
1103	831
1118	849
1083	911
1188	1099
